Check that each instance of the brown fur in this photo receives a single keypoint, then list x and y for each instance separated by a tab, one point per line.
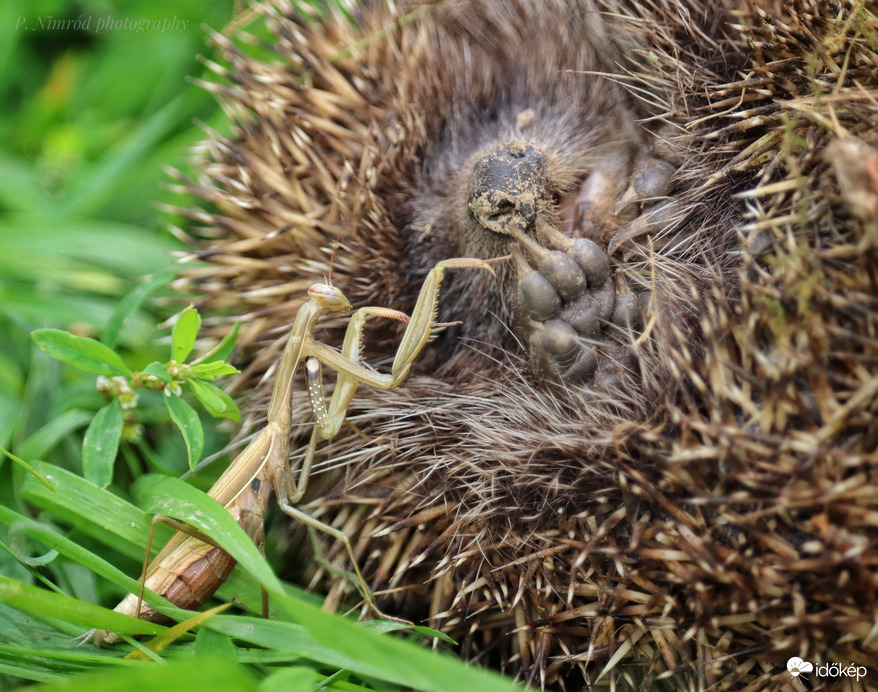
713	508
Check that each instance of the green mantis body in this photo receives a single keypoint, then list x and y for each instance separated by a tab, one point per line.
188	570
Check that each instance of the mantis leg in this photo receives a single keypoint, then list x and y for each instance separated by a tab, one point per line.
329	421
421	327
289	493
327	425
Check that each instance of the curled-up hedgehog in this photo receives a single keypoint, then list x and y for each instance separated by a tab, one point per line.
646	455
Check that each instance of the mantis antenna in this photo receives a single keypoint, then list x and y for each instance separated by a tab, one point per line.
332	256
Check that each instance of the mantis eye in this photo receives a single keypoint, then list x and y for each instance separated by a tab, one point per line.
329	298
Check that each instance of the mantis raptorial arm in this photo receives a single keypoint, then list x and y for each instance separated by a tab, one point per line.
421	327
188	569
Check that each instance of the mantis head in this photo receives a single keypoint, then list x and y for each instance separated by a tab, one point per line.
329	298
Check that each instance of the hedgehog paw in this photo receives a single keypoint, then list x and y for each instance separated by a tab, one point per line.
617	203
568	298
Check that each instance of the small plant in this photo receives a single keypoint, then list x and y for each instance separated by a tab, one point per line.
319	650
118	420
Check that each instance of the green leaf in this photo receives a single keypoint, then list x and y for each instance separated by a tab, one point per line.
44	440
197	674
207	371
334	642
37	601
231	411
97	185
281	637
165	639
210	396
293	679
80	352
430	632
129	304
183	337
23	191
23	552
389	626
186	418
160	370
209	642
92	510
224	348
49	538
101	445
43	653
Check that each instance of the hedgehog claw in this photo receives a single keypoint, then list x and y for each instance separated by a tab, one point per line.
583	328
616	205
655	220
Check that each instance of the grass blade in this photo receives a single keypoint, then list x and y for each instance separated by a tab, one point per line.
101	444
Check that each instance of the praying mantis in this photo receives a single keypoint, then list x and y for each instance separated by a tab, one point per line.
188	569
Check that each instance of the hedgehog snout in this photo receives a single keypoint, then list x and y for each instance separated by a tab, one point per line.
506	188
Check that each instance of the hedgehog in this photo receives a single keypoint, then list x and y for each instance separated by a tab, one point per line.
645	457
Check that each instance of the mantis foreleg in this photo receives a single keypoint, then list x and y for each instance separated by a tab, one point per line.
421	327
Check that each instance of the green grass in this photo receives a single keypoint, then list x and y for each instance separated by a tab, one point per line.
90	120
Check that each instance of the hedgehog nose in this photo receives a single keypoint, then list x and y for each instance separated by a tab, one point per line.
506	185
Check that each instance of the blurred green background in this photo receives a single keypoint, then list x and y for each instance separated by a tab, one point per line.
92	110
90	116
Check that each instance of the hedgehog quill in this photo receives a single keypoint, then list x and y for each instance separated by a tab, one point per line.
647	456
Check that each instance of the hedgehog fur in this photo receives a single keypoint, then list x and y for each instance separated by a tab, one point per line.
709	510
